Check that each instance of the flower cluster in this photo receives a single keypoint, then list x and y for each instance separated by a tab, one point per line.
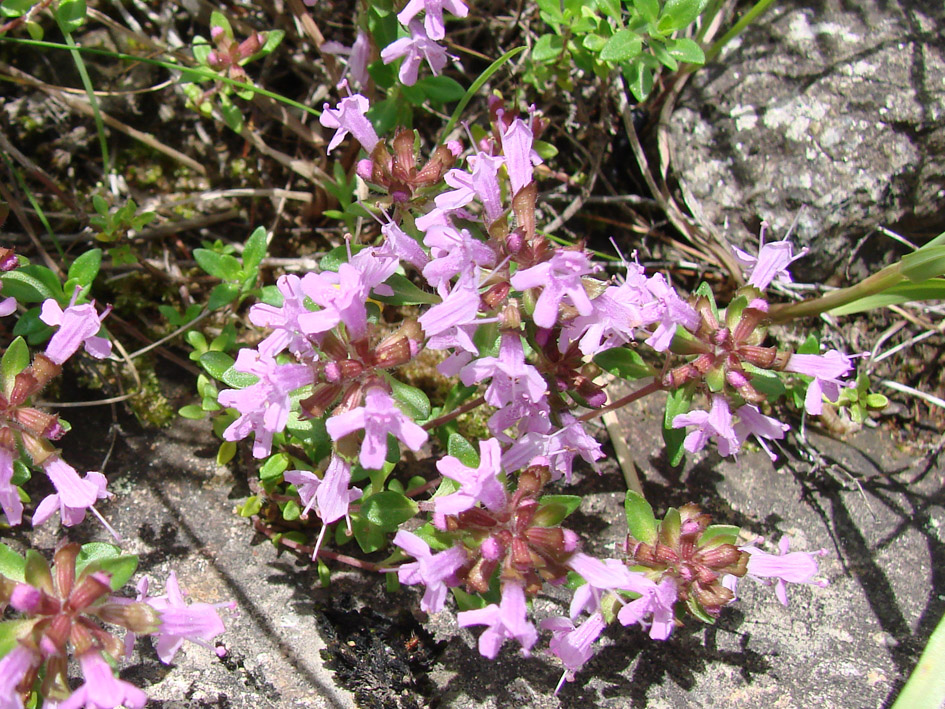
67	609
24	428
519	325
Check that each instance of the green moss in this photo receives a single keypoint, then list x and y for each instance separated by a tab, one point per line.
150	406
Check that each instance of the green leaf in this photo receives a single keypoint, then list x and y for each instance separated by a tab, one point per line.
623	362
98	556
406	293
593	42
678	402
85	268
32	284
15	8
552	509
10	633
641	522
624	45
70	15
223	295
387	510
273	40
274	467
251	507
225	452
12	565
232	117
458	447
679	14
216	364
686	50
222	266
254	252
649	9
441	89
14	361
670	527
194	412
218	19
546	151
717	534
664	57
639	78
548	48
35	30
698	611
413	401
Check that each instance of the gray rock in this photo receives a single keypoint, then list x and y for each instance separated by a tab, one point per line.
834	115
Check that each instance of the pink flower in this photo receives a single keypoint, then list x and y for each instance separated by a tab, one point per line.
659	601
454	251
359	54
512	378
330	494
73	496
433	20
415	48
602	575
751	422
378	417
404	246
519	157
198	622
342	297
793	567
715	423
263	406
349	117
13	668
506	621
827	369
78	327
476	484
284	320
452	322
574	645
558	278
9	497
102	690
436	571
771	263
672	311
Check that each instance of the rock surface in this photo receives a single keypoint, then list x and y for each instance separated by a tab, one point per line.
850	644
833	115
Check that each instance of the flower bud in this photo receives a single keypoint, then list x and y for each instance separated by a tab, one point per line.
89	590
27	599
365	169
44	370
492	549
493	297
139	618
217	33
723	556
321	400
249	46
38	423
8	259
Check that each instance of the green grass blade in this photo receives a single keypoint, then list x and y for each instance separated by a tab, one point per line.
93	102
932	289
474	89
926	686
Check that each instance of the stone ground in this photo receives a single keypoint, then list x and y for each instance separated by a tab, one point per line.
848	645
